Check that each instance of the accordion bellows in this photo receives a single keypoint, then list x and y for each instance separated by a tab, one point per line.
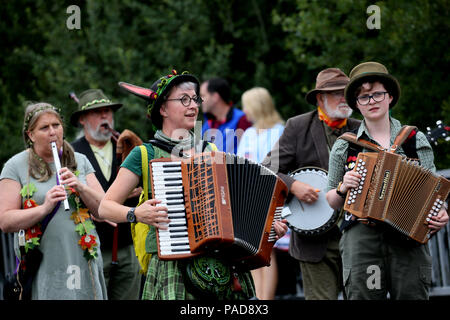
398	191
218	202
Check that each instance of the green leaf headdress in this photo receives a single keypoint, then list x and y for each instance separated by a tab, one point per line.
157	93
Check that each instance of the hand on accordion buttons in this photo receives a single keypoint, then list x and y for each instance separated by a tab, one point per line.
438	222
152	214
351	180
280	227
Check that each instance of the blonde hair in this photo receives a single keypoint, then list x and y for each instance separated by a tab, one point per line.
258	104
37	167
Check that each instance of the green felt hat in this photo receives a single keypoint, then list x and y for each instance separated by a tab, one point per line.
90	100
371	72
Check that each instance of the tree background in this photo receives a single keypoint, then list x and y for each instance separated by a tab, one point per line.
277	44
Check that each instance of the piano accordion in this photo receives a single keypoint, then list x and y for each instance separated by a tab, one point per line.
217	202
397	191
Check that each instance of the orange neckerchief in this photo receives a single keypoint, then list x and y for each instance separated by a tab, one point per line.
332	124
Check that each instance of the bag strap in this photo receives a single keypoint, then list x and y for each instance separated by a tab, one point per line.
144	159
169	148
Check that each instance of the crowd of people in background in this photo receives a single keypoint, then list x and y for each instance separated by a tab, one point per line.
94	235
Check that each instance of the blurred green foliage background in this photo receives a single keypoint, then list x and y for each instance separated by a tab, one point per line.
277	44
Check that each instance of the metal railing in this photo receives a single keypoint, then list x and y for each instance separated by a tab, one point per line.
7	258
439	248
440	276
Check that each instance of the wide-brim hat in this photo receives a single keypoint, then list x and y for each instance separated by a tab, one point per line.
92	99
156	94
371	72
327	80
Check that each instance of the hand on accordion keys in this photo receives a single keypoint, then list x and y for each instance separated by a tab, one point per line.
153	214
280	227
436	223
351	180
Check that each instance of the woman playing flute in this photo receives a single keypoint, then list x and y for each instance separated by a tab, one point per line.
31	200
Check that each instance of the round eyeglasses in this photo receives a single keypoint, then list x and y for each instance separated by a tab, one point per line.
376	96
186	100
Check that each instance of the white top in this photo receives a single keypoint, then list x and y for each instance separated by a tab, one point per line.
254	146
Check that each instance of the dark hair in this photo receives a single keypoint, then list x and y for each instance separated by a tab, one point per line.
220	86
370	81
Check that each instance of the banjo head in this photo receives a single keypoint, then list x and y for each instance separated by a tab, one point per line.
310	219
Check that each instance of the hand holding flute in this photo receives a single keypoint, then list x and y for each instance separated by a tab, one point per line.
58	169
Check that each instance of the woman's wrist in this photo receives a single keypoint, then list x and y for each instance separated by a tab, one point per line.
81	188
339	192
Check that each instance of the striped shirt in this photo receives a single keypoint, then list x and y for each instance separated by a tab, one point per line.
338	155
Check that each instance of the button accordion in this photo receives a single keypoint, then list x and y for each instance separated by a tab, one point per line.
217	202
397	191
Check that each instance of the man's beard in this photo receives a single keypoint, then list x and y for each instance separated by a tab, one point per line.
342	111
97	134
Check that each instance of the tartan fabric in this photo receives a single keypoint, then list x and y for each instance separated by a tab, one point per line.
165	281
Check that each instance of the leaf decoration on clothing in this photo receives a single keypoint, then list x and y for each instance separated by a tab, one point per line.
28	190
71	190
80	229
86	227
29	203
32	234
32	237
80	216
83	225
89	225
89	244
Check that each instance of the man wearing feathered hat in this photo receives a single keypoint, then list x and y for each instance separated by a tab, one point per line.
306	142
95	115
377	260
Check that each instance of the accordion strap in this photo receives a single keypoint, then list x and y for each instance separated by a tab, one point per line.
405	133
351	137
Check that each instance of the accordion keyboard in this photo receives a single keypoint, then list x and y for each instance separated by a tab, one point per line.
168	187
354	192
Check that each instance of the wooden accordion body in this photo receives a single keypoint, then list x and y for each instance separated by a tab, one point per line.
398	191
229	205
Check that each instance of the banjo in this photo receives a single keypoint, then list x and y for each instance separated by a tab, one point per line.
310	219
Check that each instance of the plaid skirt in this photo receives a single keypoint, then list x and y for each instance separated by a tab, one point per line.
165	281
